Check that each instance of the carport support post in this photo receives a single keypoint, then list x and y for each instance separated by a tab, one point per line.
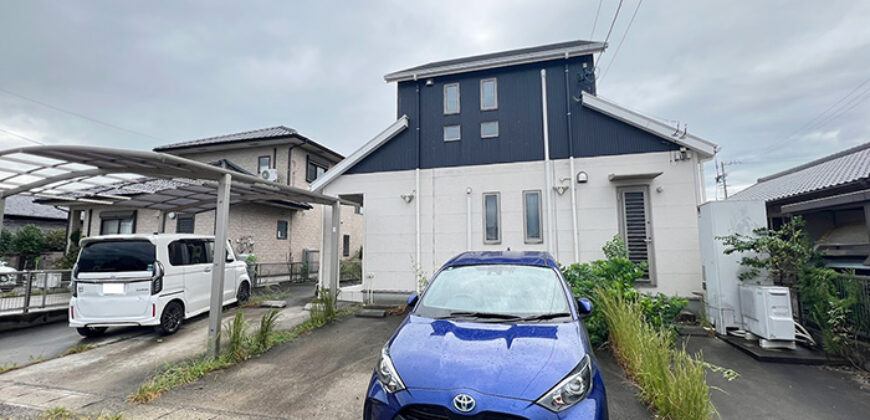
219	266
334	272
2	211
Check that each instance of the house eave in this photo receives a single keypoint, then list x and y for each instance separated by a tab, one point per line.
491	63
703	147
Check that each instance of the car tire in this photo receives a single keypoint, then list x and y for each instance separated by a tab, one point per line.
244	292
92	332
171	318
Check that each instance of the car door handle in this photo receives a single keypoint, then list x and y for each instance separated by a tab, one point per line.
207	269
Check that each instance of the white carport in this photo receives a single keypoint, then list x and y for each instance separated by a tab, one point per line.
94	174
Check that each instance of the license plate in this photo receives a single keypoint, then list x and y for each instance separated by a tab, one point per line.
113	288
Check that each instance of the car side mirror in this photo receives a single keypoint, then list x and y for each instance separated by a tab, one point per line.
412	300
584	306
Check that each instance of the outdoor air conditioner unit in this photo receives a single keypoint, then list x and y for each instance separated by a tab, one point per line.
767	315
269	174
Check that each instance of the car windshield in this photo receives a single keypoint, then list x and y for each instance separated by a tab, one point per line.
506	291
116	256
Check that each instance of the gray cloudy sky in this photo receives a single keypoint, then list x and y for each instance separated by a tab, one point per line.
757	77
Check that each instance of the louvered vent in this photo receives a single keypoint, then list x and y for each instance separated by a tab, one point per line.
636	227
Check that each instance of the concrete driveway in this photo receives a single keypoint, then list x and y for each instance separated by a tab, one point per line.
103	377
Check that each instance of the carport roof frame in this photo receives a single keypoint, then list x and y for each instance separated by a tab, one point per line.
87	174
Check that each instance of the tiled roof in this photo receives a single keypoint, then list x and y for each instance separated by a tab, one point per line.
499	59
24	206
841	168
263	133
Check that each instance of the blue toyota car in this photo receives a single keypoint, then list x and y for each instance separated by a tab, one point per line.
495	335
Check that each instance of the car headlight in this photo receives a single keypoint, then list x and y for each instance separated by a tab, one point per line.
387	374
571	390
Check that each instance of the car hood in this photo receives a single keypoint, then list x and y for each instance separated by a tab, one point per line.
509	360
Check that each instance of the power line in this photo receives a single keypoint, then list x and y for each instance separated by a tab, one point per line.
822	119
22	137
76	114
595	21
624	35
609	31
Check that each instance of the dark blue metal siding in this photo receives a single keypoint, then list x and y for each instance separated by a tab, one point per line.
597	134
520	122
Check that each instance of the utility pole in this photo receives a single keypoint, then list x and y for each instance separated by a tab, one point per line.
724	181
721	176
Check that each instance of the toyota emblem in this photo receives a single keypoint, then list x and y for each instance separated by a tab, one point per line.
464	403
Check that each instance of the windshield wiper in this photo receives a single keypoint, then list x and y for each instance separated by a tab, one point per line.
485	315
542	317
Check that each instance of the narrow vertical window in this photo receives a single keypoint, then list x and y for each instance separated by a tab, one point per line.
491	218
263	163
488	94
532	217
488	129
345	245
451	98
452	132
282	229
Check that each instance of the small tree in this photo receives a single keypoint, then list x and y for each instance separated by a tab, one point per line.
782	253
29	243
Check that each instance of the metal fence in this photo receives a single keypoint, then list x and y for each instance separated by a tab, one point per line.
859	318
31	291
263	274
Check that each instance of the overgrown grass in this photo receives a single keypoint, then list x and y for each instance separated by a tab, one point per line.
78	349
60	413
672	382
240	346
7	368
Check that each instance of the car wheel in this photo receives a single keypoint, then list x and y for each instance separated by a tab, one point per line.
170	320
244	292
91	332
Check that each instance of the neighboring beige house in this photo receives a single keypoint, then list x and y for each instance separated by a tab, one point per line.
274	231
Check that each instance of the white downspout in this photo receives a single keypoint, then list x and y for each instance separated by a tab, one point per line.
417	210
468	219
573	182
547	172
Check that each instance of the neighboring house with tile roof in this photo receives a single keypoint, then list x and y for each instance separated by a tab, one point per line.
22	210
832	195
274	231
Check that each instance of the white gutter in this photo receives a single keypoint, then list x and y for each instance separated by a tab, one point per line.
467	219
574	207
417	221
547	172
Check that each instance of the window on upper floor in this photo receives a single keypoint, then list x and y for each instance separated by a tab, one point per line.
452	132
282	229
488	129
263	163
314	170
451	98
488	94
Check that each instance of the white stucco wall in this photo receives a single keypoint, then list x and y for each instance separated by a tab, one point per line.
389	232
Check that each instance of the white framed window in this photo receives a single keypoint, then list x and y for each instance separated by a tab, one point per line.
452	132
282	229
488	129
488	94
532	220
492	218
451	98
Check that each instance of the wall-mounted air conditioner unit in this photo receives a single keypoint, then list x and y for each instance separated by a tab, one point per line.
269	175
766	312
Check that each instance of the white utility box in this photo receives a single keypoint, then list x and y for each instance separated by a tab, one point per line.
717	219
766	312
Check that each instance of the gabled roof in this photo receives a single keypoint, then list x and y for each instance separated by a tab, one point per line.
499	59
360	154
263	134
651	125
841	168
26	206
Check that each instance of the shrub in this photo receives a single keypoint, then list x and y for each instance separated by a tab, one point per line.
55	240
264	338
782	253
617	274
